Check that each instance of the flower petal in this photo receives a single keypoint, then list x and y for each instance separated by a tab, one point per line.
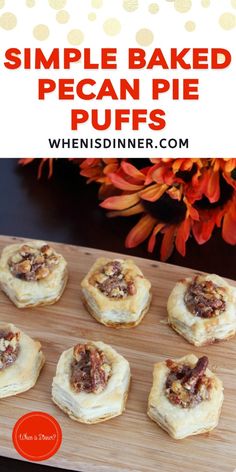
191	211
50	167
229	225
121	202
167	245
90	172
110	160
149	180
140	231
182	236
213	186
183	164
153	193
90	162
26	160
131	170
229	179
106	190
163	175
110	168
152	240
123	184
134	210
175	192
229	164
202	230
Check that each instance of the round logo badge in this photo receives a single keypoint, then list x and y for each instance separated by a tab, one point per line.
37	436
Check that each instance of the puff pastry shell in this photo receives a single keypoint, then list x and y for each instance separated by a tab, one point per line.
182	422
92	407
32	293
23	373
200	331
117	313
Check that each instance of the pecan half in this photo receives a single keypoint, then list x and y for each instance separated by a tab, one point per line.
90	370
186	386
191	378
204	298
46	250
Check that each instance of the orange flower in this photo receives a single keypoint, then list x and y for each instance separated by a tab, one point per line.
176	197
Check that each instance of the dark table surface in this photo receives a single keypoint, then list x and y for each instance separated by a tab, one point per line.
65	209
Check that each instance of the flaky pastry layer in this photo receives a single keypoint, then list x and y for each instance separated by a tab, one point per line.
32	293
92	407
182	422
201	331
23	373
125	312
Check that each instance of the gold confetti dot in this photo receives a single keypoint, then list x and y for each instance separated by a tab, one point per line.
144	37
227	21
182	6
190	26
30	3
57	4
62	17
233	3
130	5
75	37
206	3
2	3
8	21
153	8
92	16
96	3
112	26
41	32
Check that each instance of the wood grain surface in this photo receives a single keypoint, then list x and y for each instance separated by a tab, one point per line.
131	442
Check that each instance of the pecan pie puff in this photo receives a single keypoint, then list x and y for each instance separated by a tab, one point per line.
21	360
203	309
116	293
186	397
91	383
32	274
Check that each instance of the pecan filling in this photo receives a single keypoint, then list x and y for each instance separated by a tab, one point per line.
33	264
205	299
90	370
9	348
113	282
186	386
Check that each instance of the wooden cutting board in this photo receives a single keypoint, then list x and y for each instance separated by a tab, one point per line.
131	442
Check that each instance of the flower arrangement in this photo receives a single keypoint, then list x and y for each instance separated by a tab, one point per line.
173	197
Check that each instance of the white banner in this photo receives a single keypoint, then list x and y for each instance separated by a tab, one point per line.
123	78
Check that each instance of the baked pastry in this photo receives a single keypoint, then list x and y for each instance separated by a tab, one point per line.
91	383
116	293
203	309
21	360
32	274
186	397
